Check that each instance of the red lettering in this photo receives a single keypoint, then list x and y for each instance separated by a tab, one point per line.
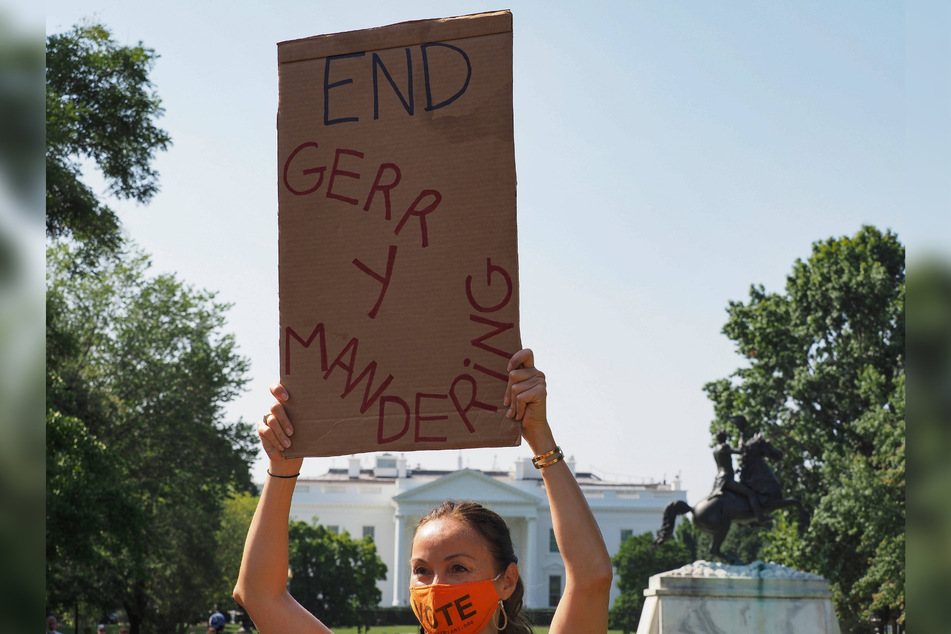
421	419
379	187
380	438
421	213
334	172
488	282
472	400
388	177
369	372
310	170
384	280
499	326
289	334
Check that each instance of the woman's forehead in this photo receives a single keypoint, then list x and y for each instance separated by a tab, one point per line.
443	537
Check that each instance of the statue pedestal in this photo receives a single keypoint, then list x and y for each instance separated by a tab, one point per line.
713	598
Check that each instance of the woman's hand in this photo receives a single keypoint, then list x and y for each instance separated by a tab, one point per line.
525	397
275	432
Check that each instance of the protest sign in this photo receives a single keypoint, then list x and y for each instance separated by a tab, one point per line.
398	247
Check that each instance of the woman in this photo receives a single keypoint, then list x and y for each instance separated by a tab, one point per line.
457	543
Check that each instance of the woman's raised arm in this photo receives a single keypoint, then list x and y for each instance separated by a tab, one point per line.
262	581
583	608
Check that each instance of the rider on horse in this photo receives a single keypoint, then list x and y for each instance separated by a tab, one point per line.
723	455
715	513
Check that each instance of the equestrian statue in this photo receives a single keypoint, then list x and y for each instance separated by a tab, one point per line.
747	501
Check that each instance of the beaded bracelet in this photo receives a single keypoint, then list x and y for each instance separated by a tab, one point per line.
274	475
546	460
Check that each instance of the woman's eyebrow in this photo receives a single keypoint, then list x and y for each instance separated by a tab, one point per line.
420	560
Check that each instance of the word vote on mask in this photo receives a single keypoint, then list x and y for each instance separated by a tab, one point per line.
461	608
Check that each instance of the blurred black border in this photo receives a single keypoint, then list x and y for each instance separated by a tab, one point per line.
22	316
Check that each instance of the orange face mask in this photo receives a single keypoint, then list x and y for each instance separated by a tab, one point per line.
460	608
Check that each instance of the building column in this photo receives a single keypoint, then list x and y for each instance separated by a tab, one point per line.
530	556
398	563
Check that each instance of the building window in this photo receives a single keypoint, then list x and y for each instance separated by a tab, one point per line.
625	533
552	543
554	590
334	529
369	531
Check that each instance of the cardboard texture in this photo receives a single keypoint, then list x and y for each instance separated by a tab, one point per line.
398	244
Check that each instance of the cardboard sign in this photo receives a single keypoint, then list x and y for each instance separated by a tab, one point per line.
398	245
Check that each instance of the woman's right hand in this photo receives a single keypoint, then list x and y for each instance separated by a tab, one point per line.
275	432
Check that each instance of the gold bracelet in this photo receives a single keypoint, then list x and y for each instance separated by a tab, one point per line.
542	460
554	460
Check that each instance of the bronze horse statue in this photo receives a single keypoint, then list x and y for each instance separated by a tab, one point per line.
715	513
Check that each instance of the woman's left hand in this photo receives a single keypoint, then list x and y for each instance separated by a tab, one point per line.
525	396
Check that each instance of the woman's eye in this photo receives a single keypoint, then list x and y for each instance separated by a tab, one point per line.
459	568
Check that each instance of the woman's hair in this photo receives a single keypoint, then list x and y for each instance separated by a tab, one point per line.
496	534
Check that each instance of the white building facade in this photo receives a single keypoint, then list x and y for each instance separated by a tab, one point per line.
388	500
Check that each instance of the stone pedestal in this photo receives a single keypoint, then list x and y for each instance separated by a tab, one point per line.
713	598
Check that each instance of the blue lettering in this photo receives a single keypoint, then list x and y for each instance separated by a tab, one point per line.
328	86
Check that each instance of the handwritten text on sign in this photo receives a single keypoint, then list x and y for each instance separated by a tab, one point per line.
382	178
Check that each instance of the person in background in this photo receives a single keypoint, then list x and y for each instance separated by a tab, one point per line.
51	624
464	576
216	622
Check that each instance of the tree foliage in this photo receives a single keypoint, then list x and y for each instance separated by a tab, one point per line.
139	460
235	520
100	107
824	379
636	561
334	576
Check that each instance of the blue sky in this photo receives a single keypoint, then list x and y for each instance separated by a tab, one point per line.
669	155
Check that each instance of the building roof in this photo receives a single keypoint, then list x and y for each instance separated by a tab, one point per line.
388	475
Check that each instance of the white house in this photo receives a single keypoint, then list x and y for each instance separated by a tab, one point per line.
387	501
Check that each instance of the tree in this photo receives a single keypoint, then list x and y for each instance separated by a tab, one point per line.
824	379
100	107
139	461
334	576
636	561
236	519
